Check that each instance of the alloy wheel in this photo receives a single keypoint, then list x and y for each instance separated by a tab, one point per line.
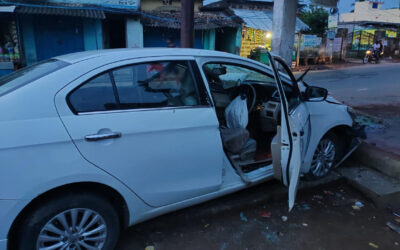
324	158
73	229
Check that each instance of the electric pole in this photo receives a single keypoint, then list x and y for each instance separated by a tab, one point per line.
187	23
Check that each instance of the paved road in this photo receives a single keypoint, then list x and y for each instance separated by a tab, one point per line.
361	85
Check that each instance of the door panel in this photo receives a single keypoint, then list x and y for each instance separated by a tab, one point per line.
164	154
291	134
295	164
301	120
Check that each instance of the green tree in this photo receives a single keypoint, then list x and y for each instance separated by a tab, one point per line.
316	18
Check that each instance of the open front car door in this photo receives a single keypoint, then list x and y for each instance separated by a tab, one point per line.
291	157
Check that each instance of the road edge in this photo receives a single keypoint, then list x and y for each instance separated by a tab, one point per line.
378	159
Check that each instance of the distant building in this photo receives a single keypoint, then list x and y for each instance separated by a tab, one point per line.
369	23
31	31
370	11
255	34
213	26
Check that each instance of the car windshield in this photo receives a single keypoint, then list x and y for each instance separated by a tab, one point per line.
29	74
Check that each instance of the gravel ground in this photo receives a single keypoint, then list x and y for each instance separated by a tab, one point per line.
324	218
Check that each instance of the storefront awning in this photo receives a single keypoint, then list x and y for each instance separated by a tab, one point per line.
61	11
262	19
7	9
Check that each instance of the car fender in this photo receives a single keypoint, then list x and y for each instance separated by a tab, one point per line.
46	161
324	117
13	208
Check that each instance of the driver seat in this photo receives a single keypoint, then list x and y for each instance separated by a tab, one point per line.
236	138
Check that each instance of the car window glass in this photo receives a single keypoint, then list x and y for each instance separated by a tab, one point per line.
29	74
229	76
95	95
158	84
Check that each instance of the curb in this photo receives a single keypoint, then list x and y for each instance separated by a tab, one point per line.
378	159
382	190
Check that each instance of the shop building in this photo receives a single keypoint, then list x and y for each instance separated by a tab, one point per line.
257	29
215	28
10	45
369	23
44	29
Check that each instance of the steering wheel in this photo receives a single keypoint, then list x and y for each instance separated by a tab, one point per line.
249	91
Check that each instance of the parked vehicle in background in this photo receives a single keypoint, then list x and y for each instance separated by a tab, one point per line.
96	141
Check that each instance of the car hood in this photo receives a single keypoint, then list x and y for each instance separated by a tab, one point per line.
332	100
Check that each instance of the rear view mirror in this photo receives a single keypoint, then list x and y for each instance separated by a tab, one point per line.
219	71
315	94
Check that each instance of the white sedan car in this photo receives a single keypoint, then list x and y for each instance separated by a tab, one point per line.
96	141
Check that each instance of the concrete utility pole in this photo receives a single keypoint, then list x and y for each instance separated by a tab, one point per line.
283	28
187	23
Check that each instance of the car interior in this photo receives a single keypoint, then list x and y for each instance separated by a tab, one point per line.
249	146
147	85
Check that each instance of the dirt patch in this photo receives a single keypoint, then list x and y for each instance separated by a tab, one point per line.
383	126
381	111
333	216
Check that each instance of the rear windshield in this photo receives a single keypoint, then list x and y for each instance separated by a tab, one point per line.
28	74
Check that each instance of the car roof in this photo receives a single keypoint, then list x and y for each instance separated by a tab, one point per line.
140	52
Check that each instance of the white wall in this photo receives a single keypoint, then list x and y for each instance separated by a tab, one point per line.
134	33
364	12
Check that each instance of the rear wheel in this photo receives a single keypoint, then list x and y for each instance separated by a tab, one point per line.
74	221
326	155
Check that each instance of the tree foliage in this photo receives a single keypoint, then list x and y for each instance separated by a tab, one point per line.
316	18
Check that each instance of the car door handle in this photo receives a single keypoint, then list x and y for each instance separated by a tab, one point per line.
98	137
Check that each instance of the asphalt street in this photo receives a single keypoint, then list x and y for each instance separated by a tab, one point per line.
361	85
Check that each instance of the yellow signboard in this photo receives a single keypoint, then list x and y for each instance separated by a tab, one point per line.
253	38
391	34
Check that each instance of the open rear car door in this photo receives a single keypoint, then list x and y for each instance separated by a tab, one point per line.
290	141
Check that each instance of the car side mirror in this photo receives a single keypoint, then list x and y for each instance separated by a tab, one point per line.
315	94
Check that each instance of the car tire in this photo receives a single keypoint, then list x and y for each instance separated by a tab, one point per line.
58	212
322	163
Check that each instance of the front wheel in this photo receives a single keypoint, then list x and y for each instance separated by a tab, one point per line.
325	157
72	221
365	60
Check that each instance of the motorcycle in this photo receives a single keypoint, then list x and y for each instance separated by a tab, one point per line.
371	56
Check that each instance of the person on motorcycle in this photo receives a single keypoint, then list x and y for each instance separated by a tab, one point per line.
377	49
